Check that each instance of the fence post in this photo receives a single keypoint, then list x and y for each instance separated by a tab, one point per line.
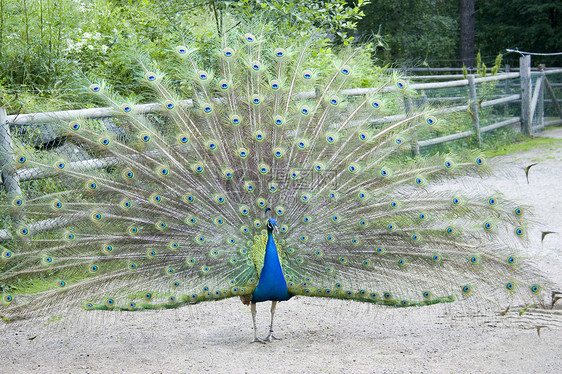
525	71
473	99
506	84
409	107
540	104
10	180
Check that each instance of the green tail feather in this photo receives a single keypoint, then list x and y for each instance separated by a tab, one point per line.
170	209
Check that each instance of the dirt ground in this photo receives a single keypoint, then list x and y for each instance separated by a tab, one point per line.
321	336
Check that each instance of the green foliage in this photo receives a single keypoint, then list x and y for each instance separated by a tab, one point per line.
413	30
46	45
532	26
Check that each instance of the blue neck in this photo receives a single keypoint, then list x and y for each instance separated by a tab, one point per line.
271	285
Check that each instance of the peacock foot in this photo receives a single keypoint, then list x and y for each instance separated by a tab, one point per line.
258	340
271	337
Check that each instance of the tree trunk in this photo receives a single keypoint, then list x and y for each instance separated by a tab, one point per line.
466	49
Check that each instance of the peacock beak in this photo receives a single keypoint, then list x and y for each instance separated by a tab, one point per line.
276	229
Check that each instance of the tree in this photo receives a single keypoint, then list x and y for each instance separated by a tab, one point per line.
466	48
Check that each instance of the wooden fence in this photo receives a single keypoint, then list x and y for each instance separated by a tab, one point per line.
532	101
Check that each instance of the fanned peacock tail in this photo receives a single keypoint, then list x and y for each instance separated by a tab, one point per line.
171	208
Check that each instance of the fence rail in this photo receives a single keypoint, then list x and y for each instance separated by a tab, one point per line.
532	105
531	100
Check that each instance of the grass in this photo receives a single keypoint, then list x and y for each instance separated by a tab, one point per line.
525	145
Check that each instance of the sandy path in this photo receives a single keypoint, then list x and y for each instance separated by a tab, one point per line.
327	336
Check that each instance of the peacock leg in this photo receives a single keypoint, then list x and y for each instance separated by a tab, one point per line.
270	336
254	312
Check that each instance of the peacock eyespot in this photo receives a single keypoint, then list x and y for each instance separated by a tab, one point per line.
535	289
401	84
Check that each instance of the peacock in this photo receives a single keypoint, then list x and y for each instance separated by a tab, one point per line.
276	177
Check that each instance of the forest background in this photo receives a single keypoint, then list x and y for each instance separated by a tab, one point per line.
44	44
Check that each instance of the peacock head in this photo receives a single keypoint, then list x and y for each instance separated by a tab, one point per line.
272	225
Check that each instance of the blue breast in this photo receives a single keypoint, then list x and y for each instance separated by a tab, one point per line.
271	285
